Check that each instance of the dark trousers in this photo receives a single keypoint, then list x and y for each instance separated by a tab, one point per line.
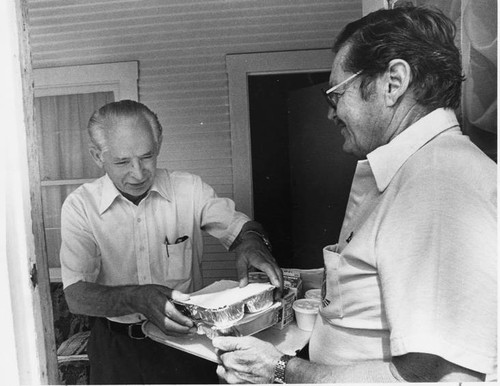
117	359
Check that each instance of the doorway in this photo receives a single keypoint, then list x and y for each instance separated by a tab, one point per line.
301	178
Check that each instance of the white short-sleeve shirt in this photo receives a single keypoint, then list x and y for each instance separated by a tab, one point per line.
416	269
108	240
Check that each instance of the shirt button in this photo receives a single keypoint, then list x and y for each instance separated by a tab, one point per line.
138	220
141	249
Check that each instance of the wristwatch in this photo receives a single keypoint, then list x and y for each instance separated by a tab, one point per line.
264	239
279	369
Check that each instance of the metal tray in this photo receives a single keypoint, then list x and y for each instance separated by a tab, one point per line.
223	309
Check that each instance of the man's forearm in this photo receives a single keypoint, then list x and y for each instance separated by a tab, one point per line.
98	300
414	367
302	371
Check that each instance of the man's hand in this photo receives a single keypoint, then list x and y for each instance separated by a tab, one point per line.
153	301
252	252
246	359
250	360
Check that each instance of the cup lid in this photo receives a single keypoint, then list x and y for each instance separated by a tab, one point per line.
306	306
314	293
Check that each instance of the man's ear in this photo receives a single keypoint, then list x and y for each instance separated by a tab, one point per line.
96	155
398	77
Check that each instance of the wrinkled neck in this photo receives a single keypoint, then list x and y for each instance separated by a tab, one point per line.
405	116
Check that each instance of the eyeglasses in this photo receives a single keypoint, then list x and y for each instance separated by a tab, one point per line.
333	96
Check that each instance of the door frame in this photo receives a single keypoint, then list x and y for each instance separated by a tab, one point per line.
239	67
29	355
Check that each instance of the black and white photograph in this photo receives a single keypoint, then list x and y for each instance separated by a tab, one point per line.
249	192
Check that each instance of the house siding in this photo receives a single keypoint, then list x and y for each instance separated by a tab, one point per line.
181	47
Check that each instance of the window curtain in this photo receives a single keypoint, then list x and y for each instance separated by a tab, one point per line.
476	23
479	50
63	142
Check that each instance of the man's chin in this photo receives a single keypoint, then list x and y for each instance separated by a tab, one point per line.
353	151
346	146
137	190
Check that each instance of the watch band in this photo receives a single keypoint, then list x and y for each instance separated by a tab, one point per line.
264	239
279	369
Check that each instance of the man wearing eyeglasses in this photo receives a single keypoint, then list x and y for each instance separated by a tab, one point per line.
409	292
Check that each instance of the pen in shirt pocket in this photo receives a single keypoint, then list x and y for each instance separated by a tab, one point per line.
166	245
178	240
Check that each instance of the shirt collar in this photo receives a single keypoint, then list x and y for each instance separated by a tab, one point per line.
162	186
108	195
386	160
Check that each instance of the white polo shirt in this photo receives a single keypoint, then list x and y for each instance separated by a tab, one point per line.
108	240
416	263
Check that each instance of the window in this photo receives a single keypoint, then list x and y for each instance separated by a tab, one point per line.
65	98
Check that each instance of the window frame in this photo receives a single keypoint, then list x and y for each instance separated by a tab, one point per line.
121	78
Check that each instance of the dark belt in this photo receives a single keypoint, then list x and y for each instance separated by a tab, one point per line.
132	330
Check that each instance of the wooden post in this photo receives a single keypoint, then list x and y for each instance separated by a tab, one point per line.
27	309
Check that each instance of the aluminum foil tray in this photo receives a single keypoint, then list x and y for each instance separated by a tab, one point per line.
248	325
225	308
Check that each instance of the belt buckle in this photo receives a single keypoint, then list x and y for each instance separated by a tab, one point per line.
131	334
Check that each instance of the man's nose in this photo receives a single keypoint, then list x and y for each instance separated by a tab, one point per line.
137	170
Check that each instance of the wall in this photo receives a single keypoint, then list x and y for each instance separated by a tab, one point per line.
181	47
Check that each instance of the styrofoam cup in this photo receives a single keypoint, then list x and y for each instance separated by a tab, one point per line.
305	313
314	293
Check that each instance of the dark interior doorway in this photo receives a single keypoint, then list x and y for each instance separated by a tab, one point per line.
301	177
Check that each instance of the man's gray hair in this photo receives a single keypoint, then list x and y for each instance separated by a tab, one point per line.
105	119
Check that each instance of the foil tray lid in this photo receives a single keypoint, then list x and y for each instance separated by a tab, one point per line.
226	296
223	303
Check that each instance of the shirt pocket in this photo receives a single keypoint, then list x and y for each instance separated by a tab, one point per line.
177	263
331	294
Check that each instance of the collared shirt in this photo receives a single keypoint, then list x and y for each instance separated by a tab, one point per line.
108	240
415	266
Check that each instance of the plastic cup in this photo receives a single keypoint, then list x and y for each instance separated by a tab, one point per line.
314	293
305	313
